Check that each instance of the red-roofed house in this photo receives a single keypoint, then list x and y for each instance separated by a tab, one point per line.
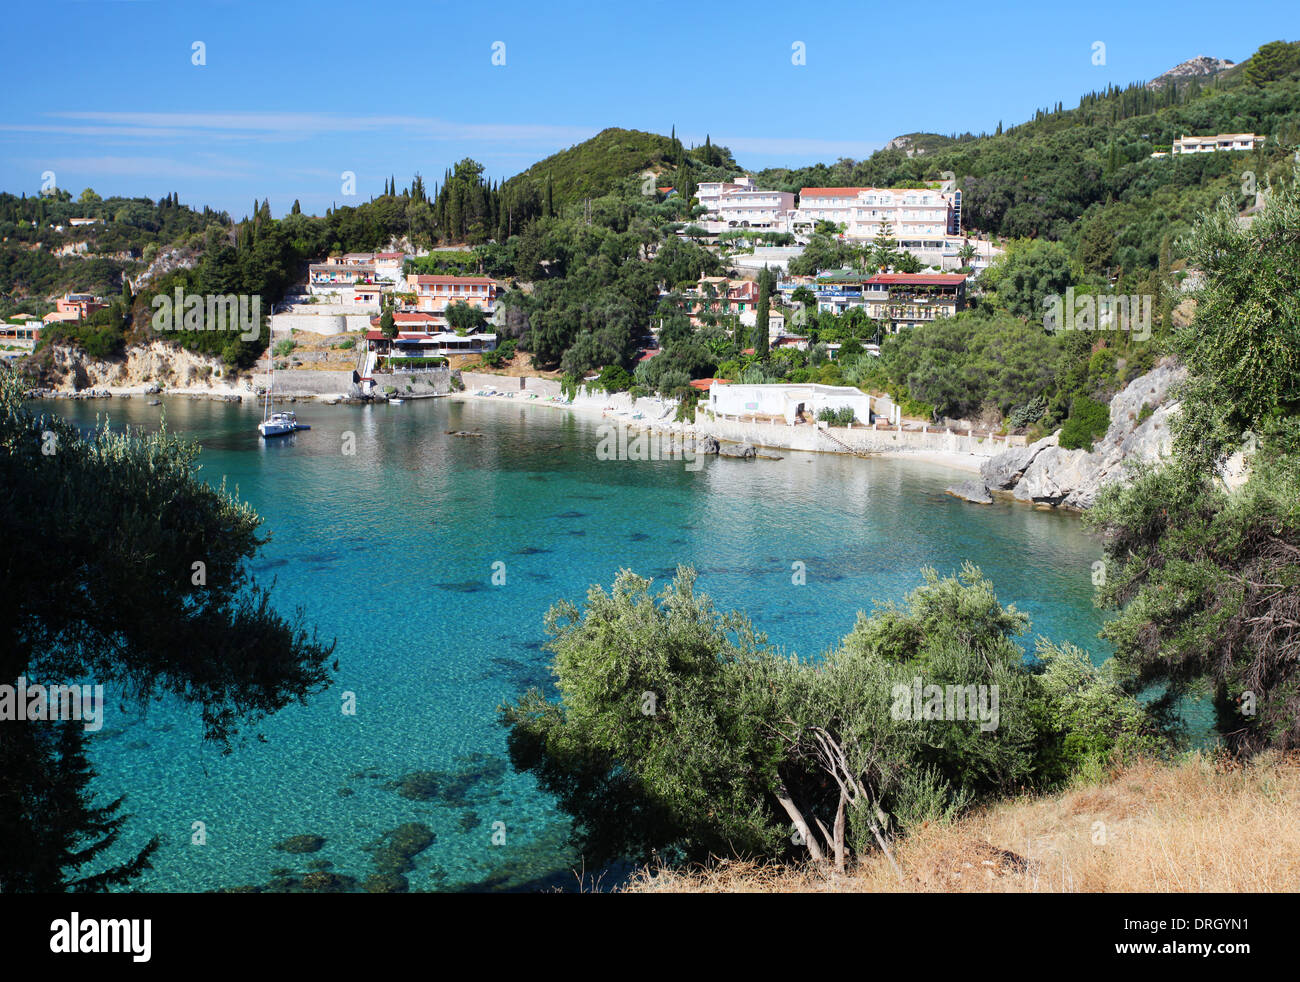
908	299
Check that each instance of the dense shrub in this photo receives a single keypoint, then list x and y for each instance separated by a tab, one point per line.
1089	420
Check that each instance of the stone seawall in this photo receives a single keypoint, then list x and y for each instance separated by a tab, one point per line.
857	439
306	382
543	388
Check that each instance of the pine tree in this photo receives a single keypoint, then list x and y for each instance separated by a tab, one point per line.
45	777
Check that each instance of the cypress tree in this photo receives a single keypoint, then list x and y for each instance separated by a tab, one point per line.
759	336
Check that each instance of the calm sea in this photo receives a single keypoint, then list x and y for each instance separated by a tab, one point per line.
391	550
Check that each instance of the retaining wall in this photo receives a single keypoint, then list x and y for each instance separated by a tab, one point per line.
542	387
858	438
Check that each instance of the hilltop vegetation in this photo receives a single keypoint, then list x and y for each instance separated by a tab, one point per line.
127	236
602	165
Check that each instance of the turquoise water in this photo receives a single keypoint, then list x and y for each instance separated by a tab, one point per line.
391	551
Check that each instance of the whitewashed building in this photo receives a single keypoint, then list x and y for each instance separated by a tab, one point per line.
910	213
786	401
1213	144
742	205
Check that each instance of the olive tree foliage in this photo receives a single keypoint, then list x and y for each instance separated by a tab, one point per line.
123	567
1206	574
679	734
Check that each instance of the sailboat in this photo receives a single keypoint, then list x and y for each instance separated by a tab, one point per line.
278	423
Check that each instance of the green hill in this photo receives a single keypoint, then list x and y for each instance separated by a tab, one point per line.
605	163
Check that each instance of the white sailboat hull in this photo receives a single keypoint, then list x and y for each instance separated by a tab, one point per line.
269	428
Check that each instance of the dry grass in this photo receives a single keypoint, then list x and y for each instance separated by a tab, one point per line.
1203	825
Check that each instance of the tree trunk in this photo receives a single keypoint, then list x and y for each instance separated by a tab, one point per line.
797	818
839	833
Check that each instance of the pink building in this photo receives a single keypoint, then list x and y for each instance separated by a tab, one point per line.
74	307
434	294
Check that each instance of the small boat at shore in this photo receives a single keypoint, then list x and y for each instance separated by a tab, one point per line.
396	402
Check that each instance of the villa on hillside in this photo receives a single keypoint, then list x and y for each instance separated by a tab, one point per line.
19	332
339	276
74	307
434	294
906	299
864	212
909	299
416	340
1213	144
742	205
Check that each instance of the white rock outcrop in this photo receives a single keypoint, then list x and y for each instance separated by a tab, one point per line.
1045	473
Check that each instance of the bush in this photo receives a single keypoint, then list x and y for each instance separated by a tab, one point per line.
284	347
837	417
1089	419
613	378
1028	414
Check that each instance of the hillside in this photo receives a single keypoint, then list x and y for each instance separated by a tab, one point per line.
604	163
920	144
1201	66
1150	827
43	254
1088	173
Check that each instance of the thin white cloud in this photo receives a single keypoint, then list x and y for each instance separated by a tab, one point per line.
145	167
259	125
794	147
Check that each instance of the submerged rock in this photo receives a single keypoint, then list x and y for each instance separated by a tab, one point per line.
394	852
386	883
307	842
972	491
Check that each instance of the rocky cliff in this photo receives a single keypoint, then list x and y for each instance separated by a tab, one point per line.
156	363
1045	473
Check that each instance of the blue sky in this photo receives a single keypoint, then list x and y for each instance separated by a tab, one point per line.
104	92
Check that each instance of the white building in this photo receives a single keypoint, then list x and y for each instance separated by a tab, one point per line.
786	401
742	205
1212	144
389	265
911	213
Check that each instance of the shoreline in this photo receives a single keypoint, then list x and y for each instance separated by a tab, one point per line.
951	459
965	463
